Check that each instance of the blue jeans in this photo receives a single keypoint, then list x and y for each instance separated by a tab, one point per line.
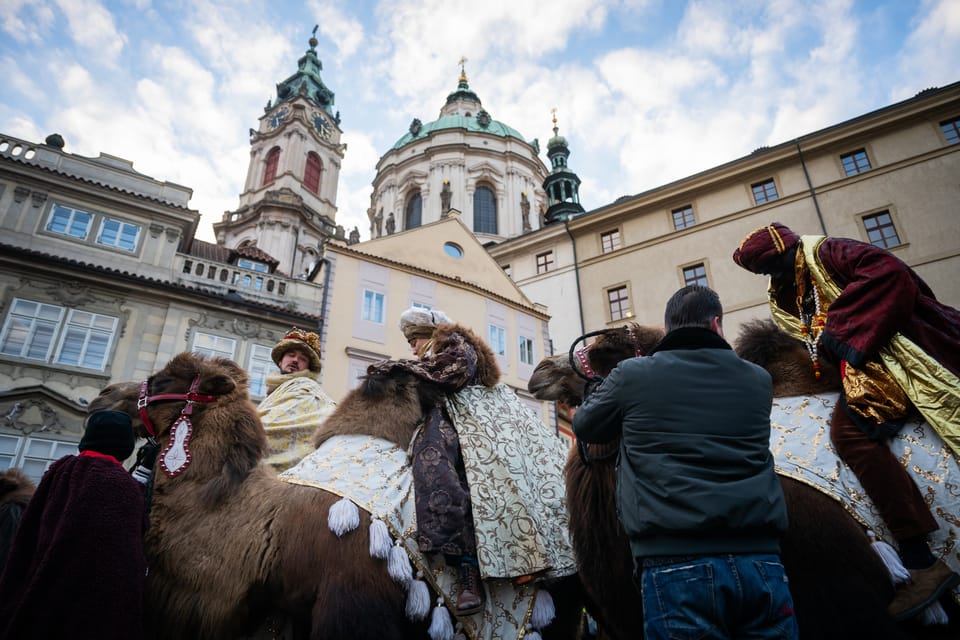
742	596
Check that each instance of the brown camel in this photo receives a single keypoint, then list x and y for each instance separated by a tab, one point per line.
230	545
840	587
16	489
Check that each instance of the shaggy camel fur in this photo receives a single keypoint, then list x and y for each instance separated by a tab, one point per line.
839	586
16	489
230	544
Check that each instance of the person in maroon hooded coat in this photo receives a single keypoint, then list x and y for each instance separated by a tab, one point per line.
899	350
77	566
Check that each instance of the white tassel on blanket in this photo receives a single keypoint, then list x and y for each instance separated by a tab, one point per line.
891	560
380	541
543	609
441	627
531	634
344	516
418	599
398	565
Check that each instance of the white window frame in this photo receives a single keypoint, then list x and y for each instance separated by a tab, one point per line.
526	349
497	339
25	454
217	345
73	213
260	365
369	310
253	265
121	226
67	324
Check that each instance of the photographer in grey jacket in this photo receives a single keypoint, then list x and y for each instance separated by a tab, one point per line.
696	489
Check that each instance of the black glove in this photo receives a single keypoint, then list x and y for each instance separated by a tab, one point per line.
147	455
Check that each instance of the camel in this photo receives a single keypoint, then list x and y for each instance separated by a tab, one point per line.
231	545
839	585
16	489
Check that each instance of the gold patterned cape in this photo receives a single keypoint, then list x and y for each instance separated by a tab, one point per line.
290	416
800	442
375	475
514	466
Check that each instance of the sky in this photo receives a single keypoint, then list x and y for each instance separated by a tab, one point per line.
645	91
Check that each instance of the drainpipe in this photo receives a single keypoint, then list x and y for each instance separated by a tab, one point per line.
813	194
323	300
576	270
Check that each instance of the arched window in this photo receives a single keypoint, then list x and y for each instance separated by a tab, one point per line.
270	170
413	216
311	175
484	211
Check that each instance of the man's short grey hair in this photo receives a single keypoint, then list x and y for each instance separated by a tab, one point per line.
692	306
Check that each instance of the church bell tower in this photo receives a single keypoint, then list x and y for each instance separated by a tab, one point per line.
288	205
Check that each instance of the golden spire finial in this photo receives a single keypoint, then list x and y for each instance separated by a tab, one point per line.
556	129
463	70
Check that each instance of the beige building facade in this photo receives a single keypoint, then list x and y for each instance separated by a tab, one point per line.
890	177
441	266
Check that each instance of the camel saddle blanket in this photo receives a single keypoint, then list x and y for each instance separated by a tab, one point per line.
800	442
514	466
375	475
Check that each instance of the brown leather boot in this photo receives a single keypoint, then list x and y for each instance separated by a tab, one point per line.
470	600
925	587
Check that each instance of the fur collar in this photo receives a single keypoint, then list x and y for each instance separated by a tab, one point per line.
488	371
690	338
278	379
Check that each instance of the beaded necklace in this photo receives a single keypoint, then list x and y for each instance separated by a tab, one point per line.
811	324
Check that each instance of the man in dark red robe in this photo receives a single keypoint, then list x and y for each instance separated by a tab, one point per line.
897	346
77	566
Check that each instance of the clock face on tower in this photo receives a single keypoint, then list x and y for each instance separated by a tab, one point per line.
321	125
278	117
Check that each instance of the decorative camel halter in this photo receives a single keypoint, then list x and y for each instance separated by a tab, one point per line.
175	457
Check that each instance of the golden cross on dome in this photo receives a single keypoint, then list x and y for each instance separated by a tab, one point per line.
463	70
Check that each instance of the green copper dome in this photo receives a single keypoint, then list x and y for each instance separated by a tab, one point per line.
470	123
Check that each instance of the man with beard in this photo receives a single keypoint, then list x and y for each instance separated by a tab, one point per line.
296	403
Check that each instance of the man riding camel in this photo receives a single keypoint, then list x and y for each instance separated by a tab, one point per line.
296	403
468	447
898	348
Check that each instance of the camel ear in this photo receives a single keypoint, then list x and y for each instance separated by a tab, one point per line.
217	385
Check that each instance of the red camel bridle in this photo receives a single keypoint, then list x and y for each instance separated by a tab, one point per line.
190	397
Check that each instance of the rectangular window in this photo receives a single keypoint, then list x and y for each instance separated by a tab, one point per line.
46	332
117	234
526	350
250	264
72	222
421	305
682	217
610	241
212	346
260	366
855	162
34	456
765	191
951	130
544	262
372	306
695	274
498	340
880	230
619	302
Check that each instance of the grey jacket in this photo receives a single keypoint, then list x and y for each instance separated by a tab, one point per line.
695	474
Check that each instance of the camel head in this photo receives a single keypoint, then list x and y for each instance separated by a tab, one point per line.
554	378
786	359
227	439
389	403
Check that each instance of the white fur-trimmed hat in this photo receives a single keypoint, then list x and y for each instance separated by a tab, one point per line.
417	322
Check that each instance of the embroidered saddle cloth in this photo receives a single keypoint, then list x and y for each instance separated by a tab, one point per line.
375	475
800	442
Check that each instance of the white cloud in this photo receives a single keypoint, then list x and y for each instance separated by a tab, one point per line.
25	20
17	80
932	49
93	28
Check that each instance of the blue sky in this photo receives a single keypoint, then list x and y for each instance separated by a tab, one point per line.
646	91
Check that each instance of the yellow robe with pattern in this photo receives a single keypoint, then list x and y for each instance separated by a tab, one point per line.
290	415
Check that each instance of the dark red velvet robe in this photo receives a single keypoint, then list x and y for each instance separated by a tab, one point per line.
77	566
